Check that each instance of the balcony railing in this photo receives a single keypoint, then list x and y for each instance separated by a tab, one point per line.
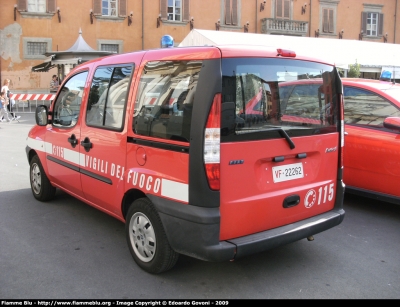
284	27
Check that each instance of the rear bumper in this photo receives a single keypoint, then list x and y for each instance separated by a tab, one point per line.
286	234
194	231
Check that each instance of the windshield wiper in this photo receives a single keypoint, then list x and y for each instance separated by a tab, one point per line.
280	130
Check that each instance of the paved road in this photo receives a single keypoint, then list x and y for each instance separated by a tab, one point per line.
65	249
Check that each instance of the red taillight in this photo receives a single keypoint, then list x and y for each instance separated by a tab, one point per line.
212	140
286	53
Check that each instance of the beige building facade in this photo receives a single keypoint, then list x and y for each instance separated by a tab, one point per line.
31	28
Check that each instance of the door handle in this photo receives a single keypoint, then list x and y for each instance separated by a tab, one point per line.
73	140
87	144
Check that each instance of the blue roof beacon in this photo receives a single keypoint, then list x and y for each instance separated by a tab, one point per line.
167	41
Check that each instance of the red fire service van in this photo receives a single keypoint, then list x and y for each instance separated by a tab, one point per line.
209	152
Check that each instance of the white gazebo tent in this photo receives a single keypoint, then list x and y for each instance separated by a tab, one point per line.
372	56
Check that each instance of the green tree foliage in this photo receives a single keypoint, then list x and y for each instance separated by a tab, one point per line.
354	70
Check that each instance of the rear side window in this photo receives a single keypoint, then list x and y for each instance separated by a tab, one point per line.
164	102
366	108
108	97
262	97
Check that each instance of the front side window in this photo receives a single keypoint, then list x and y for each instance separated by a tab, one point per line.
37	6
366	108
108	97
264	98
165	97
68	104
109	7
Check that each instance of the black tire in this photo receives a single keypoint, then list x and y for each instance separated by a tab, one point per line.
146	238
40	185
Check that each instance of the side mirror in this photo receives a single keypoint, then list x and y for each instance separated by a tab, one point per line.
41	115
392	123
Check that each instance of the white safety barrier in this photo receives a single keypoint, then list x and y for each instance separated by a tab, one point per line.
27	103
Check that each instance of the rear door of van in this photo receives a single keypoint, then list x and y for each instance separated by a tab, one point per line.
280	143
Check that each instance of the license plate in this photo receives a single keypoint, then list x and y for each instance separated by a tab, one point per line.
287	172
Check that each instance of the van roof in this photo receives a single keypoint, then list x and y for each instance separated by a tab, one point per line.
199	53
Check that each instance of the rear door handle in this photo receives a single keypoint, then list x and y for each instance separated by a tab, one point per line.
87	144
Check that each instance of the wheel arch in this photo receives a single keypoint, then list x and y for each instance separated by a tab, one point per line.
30	154
129	198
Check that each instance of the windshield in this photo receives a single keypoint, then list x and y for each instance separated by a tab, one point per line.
262	96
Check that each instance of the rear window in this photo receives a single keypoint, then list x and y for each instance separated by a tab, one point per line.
262	97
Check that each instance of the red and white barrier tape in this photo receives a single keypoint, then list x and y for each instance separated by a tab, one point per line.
33	96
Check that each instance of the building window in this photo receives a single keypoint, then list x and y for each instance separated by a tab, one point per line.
36	48
372	24
231	12
282	9
109	8
37	6
328	13
110	47
372	20
328	21
174	10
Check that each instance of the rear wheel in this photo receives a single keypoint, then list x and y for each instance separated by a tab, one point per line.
146	238
40	185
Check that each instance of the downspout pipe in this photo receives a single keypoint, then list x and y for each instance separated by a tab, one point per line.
309	24
395	22
257	16
142	24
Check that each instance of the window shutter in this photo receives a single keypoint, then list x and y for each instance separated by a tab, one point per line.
364	22
228	16
22	6
234	12
122	8
331	21
51	6
186	11
380	27
164	9
325	22
286	9
279	13
97	7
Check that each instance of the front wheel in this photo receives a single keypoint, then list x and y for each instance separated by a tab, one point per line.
146	238
40	185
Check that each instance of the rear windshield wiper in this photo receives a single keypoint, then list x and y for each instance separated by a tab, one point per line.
280	130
